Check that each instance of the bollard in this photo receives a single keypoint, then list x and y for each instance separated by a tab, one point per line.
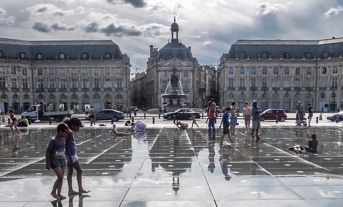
317	119
153	120
159	115
50	120
277	119
202	115
320	116
174	119
144	115
9	121
112	121
132	119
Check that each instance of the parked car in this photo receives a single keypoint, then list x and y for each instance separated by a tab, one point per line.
273	114
183	113
108	114
336	117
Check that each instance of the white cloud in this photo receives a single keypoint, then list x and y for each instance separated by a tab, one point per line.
333	11
267	8
6	19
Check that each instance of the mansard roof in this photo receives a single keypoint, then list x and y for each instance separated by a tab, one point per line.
287	48
50	49
174	50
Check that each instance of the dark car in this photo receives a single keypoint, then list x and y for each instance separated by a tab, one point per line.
274	114
108	114
183	114
336	117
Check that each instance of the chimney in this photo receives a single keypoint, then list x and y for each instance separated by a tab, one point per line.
151	50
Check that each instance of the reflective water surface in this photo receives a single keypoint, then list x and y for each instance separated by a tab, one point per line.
170	167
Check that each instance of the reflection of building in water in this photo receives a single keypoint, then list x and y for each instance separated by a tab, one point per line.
172	153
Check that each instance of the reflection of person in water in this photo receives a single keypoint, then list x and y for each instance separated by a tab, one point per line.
224	161
211	155
16	142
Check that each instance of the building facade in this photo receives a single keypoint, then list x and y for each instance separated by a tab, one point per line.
279	73
176	58
63	74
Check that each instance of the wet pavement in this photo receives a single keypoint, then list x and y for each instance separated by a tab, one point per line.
170	167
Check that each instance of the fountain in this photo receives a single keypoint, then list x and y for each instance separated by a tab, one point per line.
173	95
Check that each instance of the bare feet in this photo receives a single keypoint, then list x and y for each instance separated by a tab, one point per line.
54	195
62	197
70	193
84	191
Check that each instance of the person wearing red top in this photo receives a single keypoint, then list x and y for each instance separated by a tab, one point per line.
211	114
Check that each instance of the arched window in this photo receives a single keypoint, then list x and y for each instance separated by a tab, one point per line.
108	96
333	95
96	96
39	56
308	55
275	96
62	56
74	96
22	55
3	96
85	56
322	95
26	96
286	96
63	96
40	96
119	96
107	55
253	96
52	96
85	96
15	96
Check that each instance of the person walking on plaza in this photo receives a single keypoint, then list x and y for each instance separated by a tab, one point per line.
299	113
72	158
233	117
14	122
256	120
92	116
211	114
194	120
310	114
55	159
247	116
226	123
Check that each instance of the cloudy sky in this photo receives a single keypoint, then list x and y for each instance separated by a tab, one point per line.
208	26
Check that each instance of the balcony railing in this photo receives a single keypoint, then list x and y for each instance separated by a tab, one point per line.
231	88
73	89
322	88
107	89
96	89
253	88
26	89
51	89
309	88
286	88
275	88
242	88
15	89
119	89
63	89
40	90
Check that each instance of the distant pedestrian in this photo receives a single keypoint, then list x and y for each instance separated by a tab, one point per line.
55	159
211	114
256	120
72	159
14	122
194	120
299	113
225	122
92	116
247	116
310	114
233	117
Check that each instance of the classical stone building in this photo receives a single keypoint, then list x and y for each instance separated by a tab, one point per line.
279	73
63	74
176	58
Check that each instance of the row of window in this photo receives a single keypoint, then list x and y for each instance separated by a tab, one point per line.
276	82
287	55
276	96
95	71
63	96
63	83
60	56
285	70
